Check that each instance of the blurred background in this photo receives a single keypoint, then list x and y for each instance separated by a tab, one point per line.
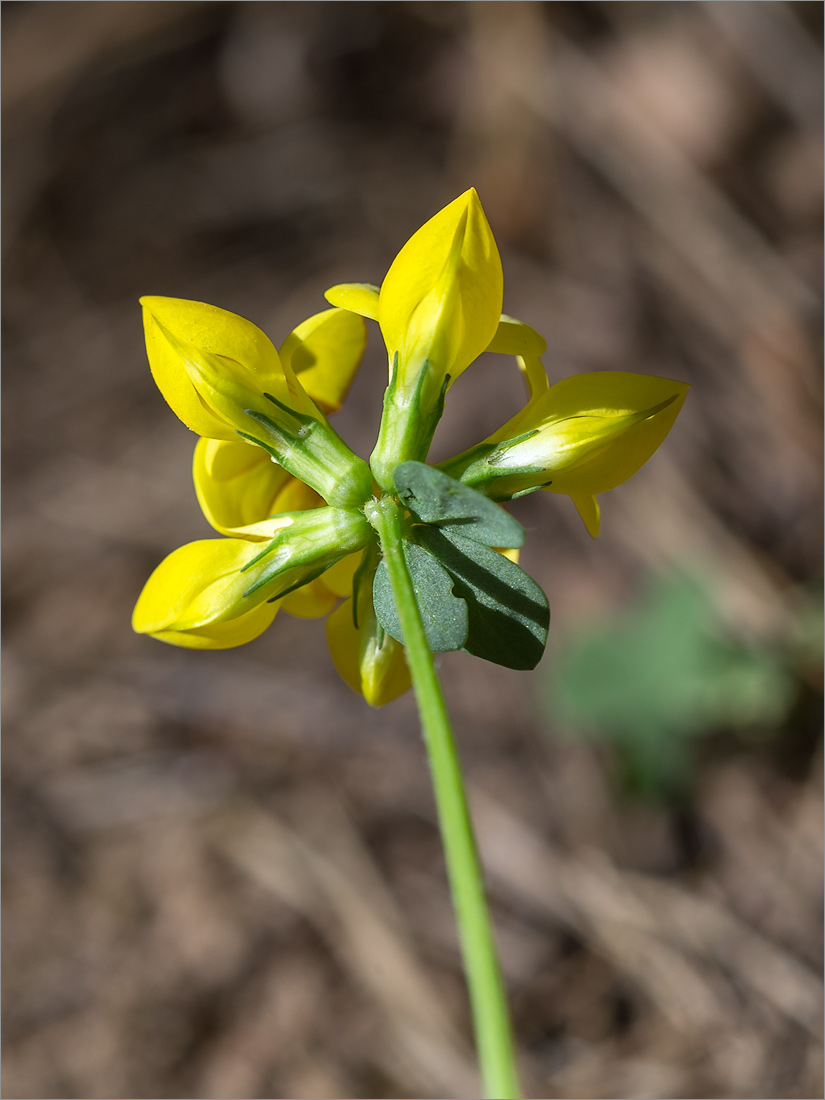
222	873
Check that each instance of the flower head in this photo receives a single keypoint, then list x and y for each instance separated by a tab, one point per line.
295	507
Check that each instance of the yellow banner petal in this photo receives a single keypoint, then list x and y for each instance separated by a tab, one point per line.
310	601
441	299
295	496
339	578
209	332
516	338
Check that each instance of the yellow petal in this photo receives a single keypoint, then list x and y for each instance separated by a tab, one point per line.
197	586
512	553
534	375
237	485
616	438
516	338
370	661
441	299
593	431
325	352
588	509
225	635
338	579
538	385
310	601
360	298
211	332
295	496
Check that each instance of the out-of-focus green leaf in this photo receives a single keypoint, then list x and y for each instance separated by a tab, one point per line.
660	674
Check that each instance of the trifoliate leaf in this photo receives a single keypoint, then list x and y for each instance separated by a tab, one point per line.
508	612
437	498
443	614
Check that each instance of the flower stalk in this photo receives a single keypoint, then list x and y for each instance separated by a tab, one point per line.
491	1018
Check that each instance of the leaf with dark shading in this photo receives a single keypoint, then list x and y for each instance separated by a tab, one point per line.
437	498
443	614
508	612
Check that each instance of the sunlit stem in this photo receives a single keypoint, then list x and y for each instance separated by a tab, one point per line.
491	1020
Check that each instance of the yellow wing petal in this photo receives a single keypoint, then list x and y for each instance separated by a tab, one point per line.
237	485
588	509
360	298
325	351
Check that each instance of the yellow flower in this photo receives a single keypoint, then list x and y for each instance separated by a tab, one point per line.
438	308
224	379
218	593
441	299
583	436
287	494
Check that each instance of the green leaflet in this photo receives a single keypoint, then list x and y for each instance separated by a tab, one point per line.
470	597
443	614
439	499
508	613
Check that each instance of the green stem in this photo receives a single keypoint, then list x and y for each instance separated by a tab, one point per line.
487	996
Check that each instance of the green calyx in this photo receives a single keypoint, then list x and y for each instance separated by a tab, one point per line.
408	423
478	469
308	546
310	449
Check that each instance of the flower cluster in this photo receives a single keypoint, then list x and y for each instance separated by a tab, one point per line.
289	497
